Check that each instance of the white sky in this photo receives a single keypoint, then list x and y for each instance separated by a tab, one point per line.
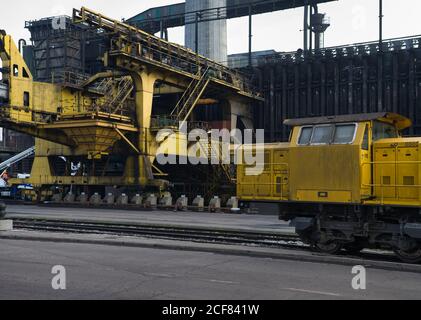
352	21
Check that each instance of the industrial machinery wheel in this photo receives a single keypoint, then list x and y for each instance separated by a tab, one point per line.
409	256
330	247
353	248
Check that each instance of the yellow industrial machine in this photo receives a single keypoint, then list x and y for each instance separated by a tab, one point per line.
82	125
345	182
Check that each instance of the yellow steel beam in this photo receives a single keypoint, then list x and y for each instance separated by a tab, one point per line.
127	140
88	123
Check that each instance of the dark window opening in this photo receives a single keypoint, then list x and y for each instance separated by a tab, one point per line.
15	70
279	185
26	99
25	73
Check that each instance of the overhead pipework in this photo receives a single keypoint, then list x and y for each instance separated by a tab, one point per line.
205	21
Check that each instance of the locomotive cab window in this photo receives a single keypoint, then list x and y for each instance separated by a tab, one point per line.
365	145
305	135
327	134
322	135
344	134
383	130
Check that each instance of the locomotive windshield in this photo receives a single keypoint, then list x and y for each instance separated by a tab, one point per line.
383	130
327	134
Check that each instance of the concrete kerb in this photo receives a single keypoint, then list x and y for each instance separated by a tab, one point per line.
304	256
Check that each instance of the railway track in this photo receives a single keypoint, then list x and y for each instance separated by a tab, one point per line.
220	236
205	235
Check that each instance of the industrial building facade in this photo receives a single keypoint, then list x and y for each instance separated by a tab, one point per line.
342	80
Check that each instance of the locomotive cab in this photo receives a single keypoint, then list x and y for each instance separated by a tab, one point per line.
340	159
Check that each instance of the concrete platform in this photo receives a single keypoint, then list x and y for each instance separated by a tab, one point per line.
167	218
6	225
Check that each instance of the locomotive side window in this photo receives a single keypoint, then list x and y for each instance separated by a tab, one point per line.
305	136
365	145
344	134
322	135
383	130
328	134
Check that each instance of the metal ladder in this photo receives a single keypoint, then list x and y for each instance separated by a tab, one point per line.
212	153
191	96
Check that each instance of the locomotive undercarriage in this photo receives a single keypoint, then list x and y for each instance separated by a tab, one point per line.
335	228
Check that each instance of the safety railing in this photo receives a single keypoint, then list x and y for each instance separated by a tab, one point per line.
135	42
365	48
68	78
159	122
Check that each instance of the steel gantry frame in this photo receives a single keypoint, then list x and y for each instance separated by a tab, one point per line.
68	121
148	58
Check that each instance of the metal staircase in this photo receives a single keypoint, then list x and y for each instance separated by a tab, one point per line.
103	87
213	153
124	89
191	96
17	158
114	101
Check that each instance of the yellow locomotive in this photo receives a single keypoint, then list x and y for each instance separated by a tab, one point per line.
345	182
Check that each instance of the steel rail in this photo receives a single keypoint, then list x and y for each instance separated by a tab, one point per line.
207	235
195	234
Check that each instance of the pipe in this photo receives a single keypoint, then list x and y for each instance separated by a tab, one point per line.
196	33
381	26
20	44
317	34
250	35
305	29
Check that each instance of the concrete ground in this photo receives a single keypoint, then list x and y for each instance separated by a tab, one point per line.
113	272
195	219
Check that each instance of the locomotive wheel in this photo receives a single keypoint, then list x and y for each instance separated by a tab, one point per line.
330	247
353	248
410	256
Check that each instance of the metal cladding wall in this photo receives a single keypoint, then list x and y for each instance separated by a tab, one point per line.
341	80
73	48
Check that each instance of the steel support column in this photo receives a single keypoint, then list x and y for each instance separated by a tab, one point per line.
250	36
305	29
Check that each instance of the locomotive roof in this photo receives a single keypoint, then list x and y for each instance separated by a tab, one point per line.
399	121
